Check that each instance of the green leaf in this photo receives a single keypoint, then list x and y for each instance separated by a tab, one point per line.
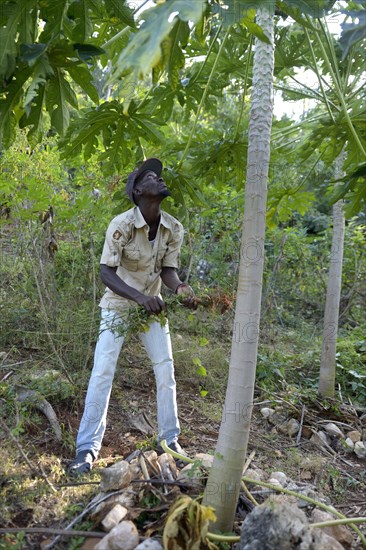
59	93
29	53
81	12
203	393
203	342
34	117
353	32
8	44
84	79
86	52
148	130
118	8
316	8
175	59
201	371
144	49
255	29
7	105
54	14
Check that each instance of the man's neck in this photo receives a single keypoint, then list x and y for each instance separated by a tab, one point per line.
151	212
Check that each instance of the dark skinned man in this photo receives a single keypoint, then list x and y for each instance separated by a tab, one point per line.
141	250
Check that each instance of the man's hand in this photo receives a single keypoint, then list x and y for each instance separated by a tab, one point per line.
189	301
152	304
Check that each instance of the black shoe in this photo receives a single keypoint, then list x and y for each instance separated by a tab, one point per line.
82	463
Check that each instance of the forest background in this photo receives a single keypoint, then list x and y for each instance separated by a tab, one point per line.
83	102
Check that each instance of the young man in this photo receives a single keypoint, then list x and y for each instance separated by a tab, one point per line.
141	249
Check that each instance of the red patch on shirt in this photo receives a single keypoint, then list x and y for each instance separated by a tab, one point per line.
117	235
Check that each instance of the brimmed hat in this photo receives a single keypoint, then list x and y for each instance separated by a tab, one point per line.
153	164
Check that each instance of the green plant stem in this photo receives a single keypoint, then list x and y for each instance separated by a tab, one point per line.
346	521
338	93
315	67
123	31
195	78
167	449
203	99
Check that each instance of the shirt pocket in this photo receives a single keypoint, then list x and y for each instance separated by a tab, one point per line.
130	258
162	250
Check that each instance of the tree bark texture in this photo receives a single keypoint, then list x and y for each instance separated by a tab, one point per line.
224	481
331	314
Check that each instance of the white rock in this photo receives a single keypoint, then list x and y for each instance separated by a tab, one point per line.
354	436
280	476
340	532
266	412
332	429
254	474
349	444
115	516
360	449
122	537
205	459
168	466
293	427
320	438
116	477
275	482
149	544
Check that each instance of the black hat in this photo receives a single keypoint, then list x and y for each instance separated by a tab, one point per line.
153	164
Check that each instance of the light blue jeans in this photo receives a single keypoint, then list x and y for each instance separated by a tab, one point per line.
158	347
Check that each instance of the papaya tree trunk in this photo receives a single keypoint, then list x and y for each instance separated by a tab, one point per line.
224	481
331	313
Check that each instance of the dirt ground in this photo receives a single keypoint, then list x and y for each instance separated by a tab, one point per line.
340	476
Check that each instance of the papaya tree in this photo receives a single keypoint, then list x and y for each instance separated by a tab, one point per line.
127	126
337	134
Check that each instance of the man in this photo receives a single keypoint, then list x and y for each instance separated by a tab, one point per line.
141	249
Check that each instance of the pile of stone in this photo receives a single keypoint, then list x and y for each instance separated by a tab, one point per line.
277	523
117	506
119	497
330	436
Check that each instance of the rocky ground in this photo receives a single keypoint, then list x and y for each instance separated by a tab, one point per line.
321	463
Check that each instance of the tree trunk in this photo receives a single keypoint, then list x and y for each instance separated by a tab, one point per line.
224	481
331	314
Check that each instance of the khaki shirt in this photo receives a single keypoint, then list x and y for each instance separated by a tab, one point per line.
139	262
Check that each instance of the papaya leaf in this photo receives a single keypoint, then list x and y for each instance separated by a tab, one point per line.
148	130
8	44
255	29
42	71
59	93
81	13
309	7
175	59
86	52
29	53
54	15
34	117
119	9
144	49
8	103
28	25
352	32
84	79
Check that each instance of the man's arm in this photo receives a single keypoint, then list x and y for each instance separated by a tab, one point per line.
170	278
152	304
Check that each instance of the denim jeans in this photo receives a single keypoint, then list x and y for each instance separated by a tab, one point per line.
158	347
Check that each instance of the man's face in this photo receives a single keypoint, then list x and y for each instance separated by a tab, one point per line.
151	185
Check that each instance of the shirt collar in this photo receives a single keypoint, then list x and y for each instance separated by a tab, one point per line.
140	220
